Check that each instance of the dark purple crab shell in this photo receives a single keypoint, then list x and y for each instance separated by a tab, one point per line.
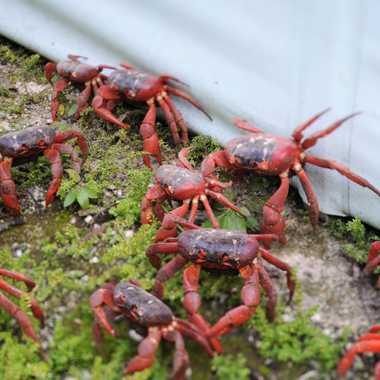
250	150
132	81
239	248
26	142
175	176
150	310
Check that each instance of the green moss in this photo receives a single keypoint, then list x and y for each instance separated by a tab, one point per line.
200	147
129	208
230	367
298	341
356	238
7	55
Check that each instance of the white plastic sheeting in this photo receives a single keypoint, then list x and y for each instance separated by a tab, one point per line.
273	62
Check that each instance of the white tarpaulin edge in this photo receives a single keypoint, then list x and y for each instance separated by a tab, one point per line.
274	63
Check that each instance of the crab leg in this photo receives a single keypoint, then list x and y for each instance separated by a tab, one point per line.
213	160
311	197
297	134
56	168
209	211
372	255
188	98
146	352
168	227
179	119
59	86
8	187
283	266
166	272
49	70
181	358
246	126
192	302
358	348
103	95
148	133
20	316
169	118
194	209
223	201
168	77
184	222
98	300
30	284
68	149
273	221
182	158
192	332
270	291
329	164
312	140
62	137
35	307
155	193
250	295
160	248
83	99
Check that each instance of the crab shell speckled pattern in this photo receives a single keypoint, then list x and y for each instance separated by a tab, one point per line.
26	142
181	183
133	83
150	310
272	154
217	244
76	71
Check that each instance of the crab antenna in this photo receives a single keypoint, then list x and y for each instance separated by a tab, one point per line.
297	134
312	140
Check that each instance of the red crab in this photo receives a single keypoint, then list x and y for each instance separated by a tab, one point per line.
373	259
128	299
224	251
182	183
267	154
25	145
13	309
369	342
73	70
135	85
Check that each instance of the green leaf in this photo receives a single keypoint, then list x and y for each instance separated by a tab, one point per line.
70	198
93	189
230	220
83	198
73	108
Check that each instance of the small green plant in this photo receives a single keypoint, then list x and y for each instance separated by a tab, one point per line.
130	207
358	239
230	367
298	341
82	194
78	192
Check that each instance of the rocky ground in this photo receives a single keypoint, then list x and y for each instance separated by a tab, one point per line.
70	251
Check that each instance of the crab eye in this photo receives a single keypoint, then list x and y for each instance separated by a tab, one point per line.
121	298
